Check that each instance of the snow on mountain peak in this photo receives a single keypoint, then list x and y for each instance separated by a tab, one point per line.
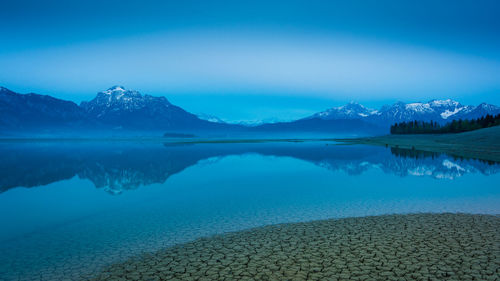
447	113
436	110
120	93
209	117
446	102
117	98
352	106
445	108
350	110
419	107
115	88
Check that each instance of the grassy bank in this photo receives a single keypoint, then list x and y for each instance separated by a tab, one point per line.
481	144
391	247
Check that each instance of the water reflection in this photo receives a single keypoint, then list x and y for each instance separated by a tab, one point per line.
120	166
65	228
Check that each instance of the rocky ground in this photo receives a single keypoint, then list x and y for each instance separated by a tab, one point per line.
391	247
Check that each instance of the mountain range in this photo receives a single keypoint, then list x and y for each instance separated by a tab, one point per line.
441	111
115	110
118	110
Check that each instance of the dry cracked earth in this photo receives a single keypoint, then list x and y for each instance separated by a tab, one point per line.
391	247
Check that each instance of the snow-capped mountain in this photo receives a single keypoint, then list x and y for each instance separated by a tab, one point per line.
116	108
209	117
120	110
351	110
128	109
117	98
477	111
437	110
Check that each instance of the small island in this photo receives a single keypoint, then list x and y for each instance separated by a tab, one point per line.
179	135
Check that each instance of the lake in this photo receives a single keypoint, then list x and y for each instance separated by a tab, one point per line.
69	208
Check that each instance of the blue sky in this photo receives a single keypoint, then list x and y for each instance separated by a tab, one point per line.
255	59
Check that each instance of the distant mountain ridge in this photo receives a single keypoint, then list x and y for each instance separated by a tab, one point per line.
115	109
121	108
118	110
441	111
31	111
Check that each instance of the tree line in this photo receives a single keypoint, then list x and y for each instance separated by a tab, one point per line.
455	126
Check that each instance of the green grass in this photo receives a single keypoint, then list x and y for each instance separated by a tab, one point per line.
480	144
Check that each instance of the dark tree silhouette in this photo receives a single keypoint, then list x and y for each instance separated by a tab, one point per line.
455	126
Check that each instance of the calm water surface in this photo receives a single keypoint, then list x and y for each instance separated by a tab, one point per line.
67	209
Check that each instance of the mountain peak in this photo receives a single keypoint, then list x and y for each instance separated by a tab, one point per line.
437	110
5	90
487	106
116	93
117	104
446	102
352	110
419	107
119	91
209	117
353	104
116	88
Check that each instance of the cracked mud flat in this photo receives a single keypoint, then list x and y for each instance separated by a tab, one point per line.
391	247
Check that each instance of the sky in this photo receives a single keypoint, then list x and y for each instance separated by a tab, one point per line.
255	60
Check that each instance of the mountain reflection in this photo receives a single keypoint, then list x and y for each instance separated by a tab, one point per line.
120	166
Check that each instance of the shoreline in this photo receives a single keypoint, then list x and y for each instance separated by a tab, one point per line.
483	144
388	247
168	140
